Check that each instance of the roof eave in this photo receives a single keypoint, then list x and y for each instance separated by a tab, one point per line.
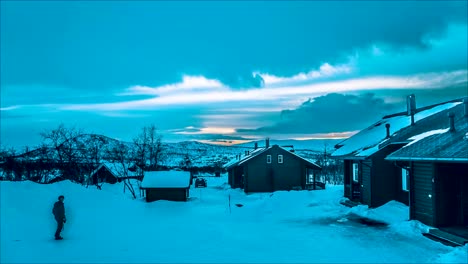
427	159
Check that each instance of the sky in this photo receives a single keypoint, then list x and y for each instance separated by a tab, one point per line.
224	71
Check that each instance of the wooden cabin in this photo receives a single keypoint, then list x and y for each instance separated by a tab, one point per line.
272	168
166	185
371	179
115	172
437	163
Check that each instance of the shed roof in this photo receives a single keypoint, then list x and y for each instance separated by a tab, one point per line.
370	140
166	179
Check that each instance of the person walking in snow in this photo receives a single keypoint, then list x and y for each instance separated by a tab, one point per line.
59	214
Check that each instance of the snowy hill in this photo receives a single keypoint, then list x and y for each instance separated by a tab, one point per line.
174	154
282	227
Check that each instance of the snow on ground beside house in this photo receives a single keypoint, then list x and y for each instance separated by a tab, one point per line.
217	225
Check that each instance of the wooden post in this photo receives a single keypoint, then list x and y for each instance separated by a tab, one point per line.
314	180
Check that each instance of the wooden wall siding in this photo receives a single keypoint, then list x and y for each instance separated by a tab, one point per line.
423	209
347	178
465	198
263	177
386	179
170	194
235	177
366	182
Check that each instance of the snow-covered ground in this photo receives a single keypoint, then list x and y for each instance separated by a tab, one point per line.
284	227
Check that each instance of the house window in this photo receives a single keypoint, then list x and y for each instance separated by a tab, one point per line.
404	179
310	179
268	158
355	172
280	158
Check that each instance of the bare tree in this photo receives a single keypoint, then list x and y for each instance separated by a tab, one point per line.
120	154
148	147
93	151
64	143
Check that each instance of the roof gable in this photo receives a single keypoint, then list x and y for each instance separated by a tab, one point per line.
256	154
118	170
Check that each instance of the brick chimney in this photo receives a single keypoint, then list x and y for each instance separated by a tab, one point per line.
256	145
451	117
411	106
267	142
387	126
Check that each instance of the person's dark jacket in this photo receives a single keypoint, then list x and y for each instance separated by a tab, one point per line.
59	211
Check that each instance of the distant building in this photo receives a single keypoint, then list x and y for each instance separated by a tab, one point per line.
166	185
437	164
272	168
371	179
115	172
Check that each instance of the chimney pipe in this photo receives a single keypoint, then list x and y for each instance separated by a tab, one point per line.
411	106
256	145
465	103
267	142
452	121
387	126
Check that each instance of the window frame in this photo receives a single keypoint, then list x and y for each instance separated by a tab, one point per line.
355	172
282	159
404	180
268	159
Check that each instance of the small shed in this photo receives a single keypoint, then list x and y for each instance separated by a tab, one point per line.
166	185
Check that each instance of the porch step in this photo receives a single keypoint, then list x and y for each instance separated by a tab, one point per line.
446	238
349	203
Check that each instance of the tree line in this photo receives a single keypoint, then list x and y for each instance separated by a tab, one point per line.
70	153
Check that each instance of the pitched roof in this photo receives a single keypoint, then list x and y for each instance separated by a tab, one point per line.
237	161
118	169
441	145
257	152
166	179
370	140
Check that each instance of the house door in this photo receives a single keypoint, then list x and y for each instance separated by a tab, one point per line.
464	200
456	201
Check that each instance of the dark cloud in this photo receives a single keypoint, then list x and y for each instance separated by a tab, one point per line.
330	113
112	45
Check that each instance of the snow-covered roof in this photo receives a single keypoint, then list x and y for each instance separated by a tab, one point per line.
166	179
244	158
438	145
370	140
119	170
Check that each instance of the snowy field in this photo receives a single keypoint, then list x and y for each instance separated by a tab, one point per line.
284	227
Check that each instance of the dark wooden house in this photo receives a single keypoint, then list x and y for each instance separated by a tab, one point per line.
115	172
271	168
371	179
166	185
438	173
